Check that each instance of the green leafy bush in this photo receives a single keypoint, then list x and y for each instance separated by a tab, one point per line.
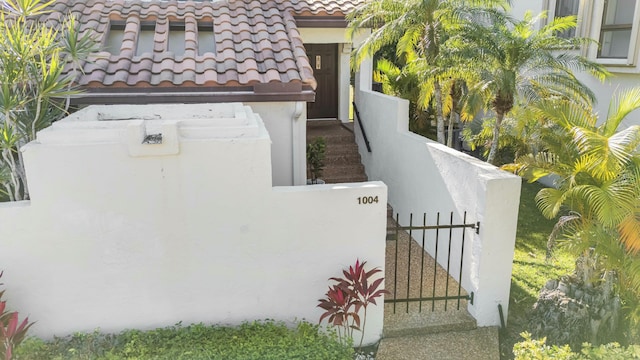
532	349
256	340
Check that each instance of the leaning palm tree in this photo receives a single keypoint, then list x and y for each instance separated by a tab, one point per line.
420	27
515	62
597	189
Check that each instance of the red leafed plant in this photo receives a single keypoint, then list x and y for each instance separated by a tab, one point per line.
12	331
350	294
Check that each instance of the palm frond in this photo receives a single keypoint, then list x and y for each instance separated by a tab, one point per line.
621	106
550	201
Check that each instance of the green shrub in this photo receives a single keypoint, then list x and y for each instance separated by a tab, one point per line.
256	340
532	349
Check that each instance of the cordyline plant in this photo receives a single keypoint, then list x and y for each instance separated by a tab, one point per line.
350	294
38	65
12	331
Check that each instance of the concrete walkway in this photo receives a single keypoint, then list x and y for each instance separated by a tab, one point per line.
477	344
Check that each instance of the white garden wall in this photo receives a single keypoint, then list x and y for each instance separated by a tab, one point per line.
427	177
120	234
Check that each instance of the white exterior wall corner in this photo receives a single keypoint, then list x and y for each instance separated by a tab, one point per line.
499	200
287	126
424	176
116	241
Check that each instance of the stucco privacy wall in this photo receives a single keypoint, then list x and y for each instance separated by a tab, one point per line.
424	176
123	235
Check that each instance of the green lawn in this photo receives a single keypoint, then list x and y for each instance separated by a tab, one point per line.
531	270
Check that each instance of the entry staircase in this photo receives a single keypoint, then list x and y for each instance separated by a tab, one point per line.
342	161
413	333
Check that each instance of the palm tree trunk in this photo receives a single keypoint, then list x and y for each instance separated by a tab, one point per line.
439	116
452	116
496	137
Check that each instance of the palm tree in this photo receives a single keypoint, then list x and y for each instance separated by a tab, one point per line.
515	62
597	166
597	172
418	27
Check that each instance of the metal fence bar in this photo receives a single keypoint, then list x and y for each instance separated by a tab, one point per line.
435	265
464	221
446	289
443	226
409	262
437	298
395	270
424	232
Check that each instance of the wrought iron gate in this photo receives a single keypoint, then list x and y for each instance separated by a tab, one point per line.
428	274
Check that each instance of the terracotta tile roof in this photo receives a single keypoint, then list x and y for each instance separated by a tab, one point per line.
320	7
256	41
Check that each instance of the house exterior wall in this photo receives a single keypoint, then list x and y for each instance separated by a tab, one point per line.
286	123
124	235
427	177
626	73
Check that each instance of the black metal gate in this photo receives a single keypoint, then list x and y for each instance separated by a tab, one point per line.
404	272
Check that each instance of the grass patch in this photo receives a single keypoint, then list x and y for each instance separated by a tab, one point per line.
258	340
531	269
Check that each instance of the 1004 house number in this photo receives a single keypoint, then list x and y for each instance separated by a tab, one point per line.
365	200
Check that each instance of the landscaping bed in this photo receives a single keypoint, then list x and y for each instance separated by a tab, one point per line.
531	269
261	340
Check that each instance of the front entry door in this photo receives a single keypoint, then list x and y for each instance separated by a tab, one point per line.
324	61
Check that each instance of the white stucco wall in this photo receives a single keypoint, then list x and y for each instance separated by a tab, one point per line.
124	235
424	176
286	123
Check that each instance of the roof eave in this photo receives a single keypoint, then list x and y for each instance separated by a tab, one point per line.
256	93
321	21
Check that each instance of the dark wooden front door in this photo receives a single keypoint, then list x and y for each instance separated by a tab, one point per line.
324	61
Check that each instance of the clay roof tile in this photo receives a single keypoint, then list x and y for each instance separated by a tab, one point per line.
255	40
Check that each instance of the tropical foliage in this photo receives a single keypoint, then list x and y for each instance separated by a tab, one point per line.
355	291
596	167
34	82
538	349
469	58
517	64
419	31
257	340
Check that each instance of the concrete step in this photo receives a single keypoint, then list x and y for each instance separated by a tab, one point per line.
345	179
424	322
480	343
334	170
334	138
343	158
